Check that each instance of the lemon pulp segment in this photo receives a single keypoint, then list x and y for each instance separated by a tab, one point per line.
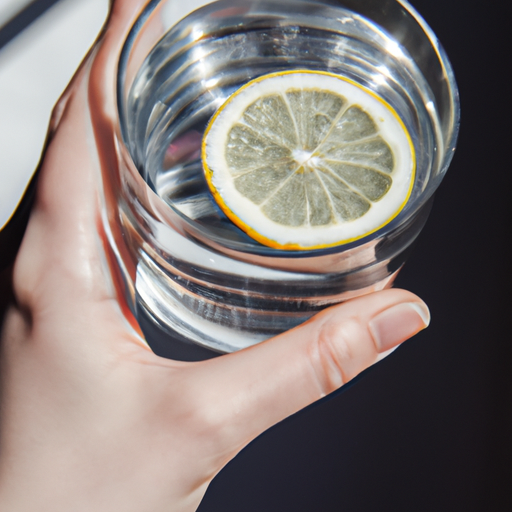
306	160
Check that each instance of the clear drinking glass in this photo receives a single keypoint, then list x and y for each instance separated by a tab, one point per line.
194	280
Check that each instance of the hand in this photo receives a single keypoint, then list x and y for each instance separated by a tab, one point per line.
91	419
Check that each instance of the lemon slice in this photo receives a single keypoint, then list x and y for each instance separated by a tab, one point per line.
307	160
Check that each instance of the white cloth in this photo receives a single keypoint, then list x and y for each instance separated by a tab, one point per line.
35	67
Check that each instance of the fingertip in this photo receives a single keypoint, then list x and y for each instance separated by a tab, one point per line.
398	323
423	311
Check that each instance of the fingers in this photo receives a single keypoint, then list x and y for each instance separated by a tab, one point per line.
263	385
62	249
70	159
123	14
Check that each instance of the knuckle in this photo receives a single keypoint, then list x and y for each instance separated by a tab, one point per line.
333	352
207	421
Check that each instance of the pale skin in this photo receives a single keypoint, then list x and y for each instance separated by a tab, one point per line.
90	418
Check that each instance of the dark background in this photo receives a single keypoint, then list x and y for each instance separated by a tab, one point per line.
428	429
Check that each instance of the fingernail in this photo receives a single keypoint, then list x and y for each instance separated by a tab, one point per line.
398	323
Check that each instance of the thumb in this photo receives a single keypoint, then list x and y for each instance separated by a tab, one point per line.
264	384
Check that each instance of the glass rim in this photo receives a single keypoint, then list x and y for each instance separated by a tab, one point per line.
448	138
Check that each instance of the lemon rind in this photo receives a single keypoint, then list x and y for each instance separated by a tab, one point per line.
270	242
